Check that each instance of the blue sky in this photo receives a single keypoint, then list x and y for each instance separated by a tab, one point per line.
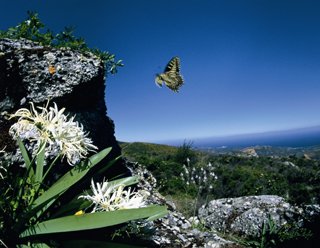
249	66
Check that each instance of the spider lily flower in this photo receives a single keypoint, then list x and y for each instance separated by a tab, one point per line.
109	197
1	167
60	134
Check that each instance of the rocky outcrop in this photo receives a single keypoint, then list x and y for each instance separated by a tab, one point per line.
74	80
245	216
249	152
174	230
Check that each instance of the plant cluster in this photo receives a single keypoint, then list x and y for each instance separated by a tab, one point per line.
199	177
199	182
32	29
37	203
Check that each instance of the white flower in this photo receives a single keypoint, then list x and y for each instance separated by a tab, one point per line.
109	197
1	167
185	169
62	136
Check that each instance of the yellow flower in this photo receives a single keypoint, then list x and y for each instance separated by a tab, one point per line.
80	212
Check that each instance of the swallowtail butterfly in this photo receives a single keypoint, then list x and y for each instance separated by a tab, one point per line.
171	75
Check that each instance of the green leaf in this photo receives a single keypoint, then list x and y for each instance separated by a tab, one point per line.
127	181
39	164
25	155
70	178
158	215
106	167
96	158
72	207
91	221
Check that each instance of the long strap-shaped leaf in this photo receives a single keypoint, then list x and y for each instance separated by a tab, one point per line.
39	165
25	155
92	220
70	178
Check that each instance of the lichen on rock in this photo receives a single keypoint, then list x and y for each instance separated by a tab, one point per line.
30	72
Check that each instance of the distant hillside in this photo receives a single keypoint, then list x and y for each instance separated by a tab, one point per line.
134	149
309	152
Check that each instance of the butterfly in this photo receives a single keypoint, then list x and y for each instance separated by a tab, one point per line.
171	75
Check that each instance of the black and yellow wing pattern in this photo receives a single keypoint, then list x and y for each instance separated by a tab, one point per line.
171	75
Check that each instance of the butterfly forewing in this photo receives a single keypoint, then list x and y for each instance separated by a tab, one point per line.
173	65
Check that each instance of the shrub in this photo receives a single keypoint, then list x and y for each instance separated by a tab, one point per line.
32	29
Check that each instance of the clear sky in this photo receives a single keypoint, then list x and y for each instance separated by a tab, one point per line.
249	65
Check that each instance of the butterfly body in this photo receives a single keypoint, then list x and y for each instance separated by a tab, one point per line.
171	75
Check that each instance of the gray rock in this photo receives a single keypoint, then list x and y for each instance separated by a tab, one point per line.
245	216
74	80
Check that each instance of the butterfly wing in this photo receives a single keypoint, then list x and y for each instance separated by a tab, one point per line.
171	75
173	65
159	80
173	81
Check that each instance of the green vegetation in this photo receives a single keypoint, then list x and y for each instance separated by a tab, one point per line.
289	235
191	178
297	179
33	29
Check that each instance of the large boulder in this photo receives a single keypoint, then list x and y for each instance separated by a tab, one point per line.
75	80
245	216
